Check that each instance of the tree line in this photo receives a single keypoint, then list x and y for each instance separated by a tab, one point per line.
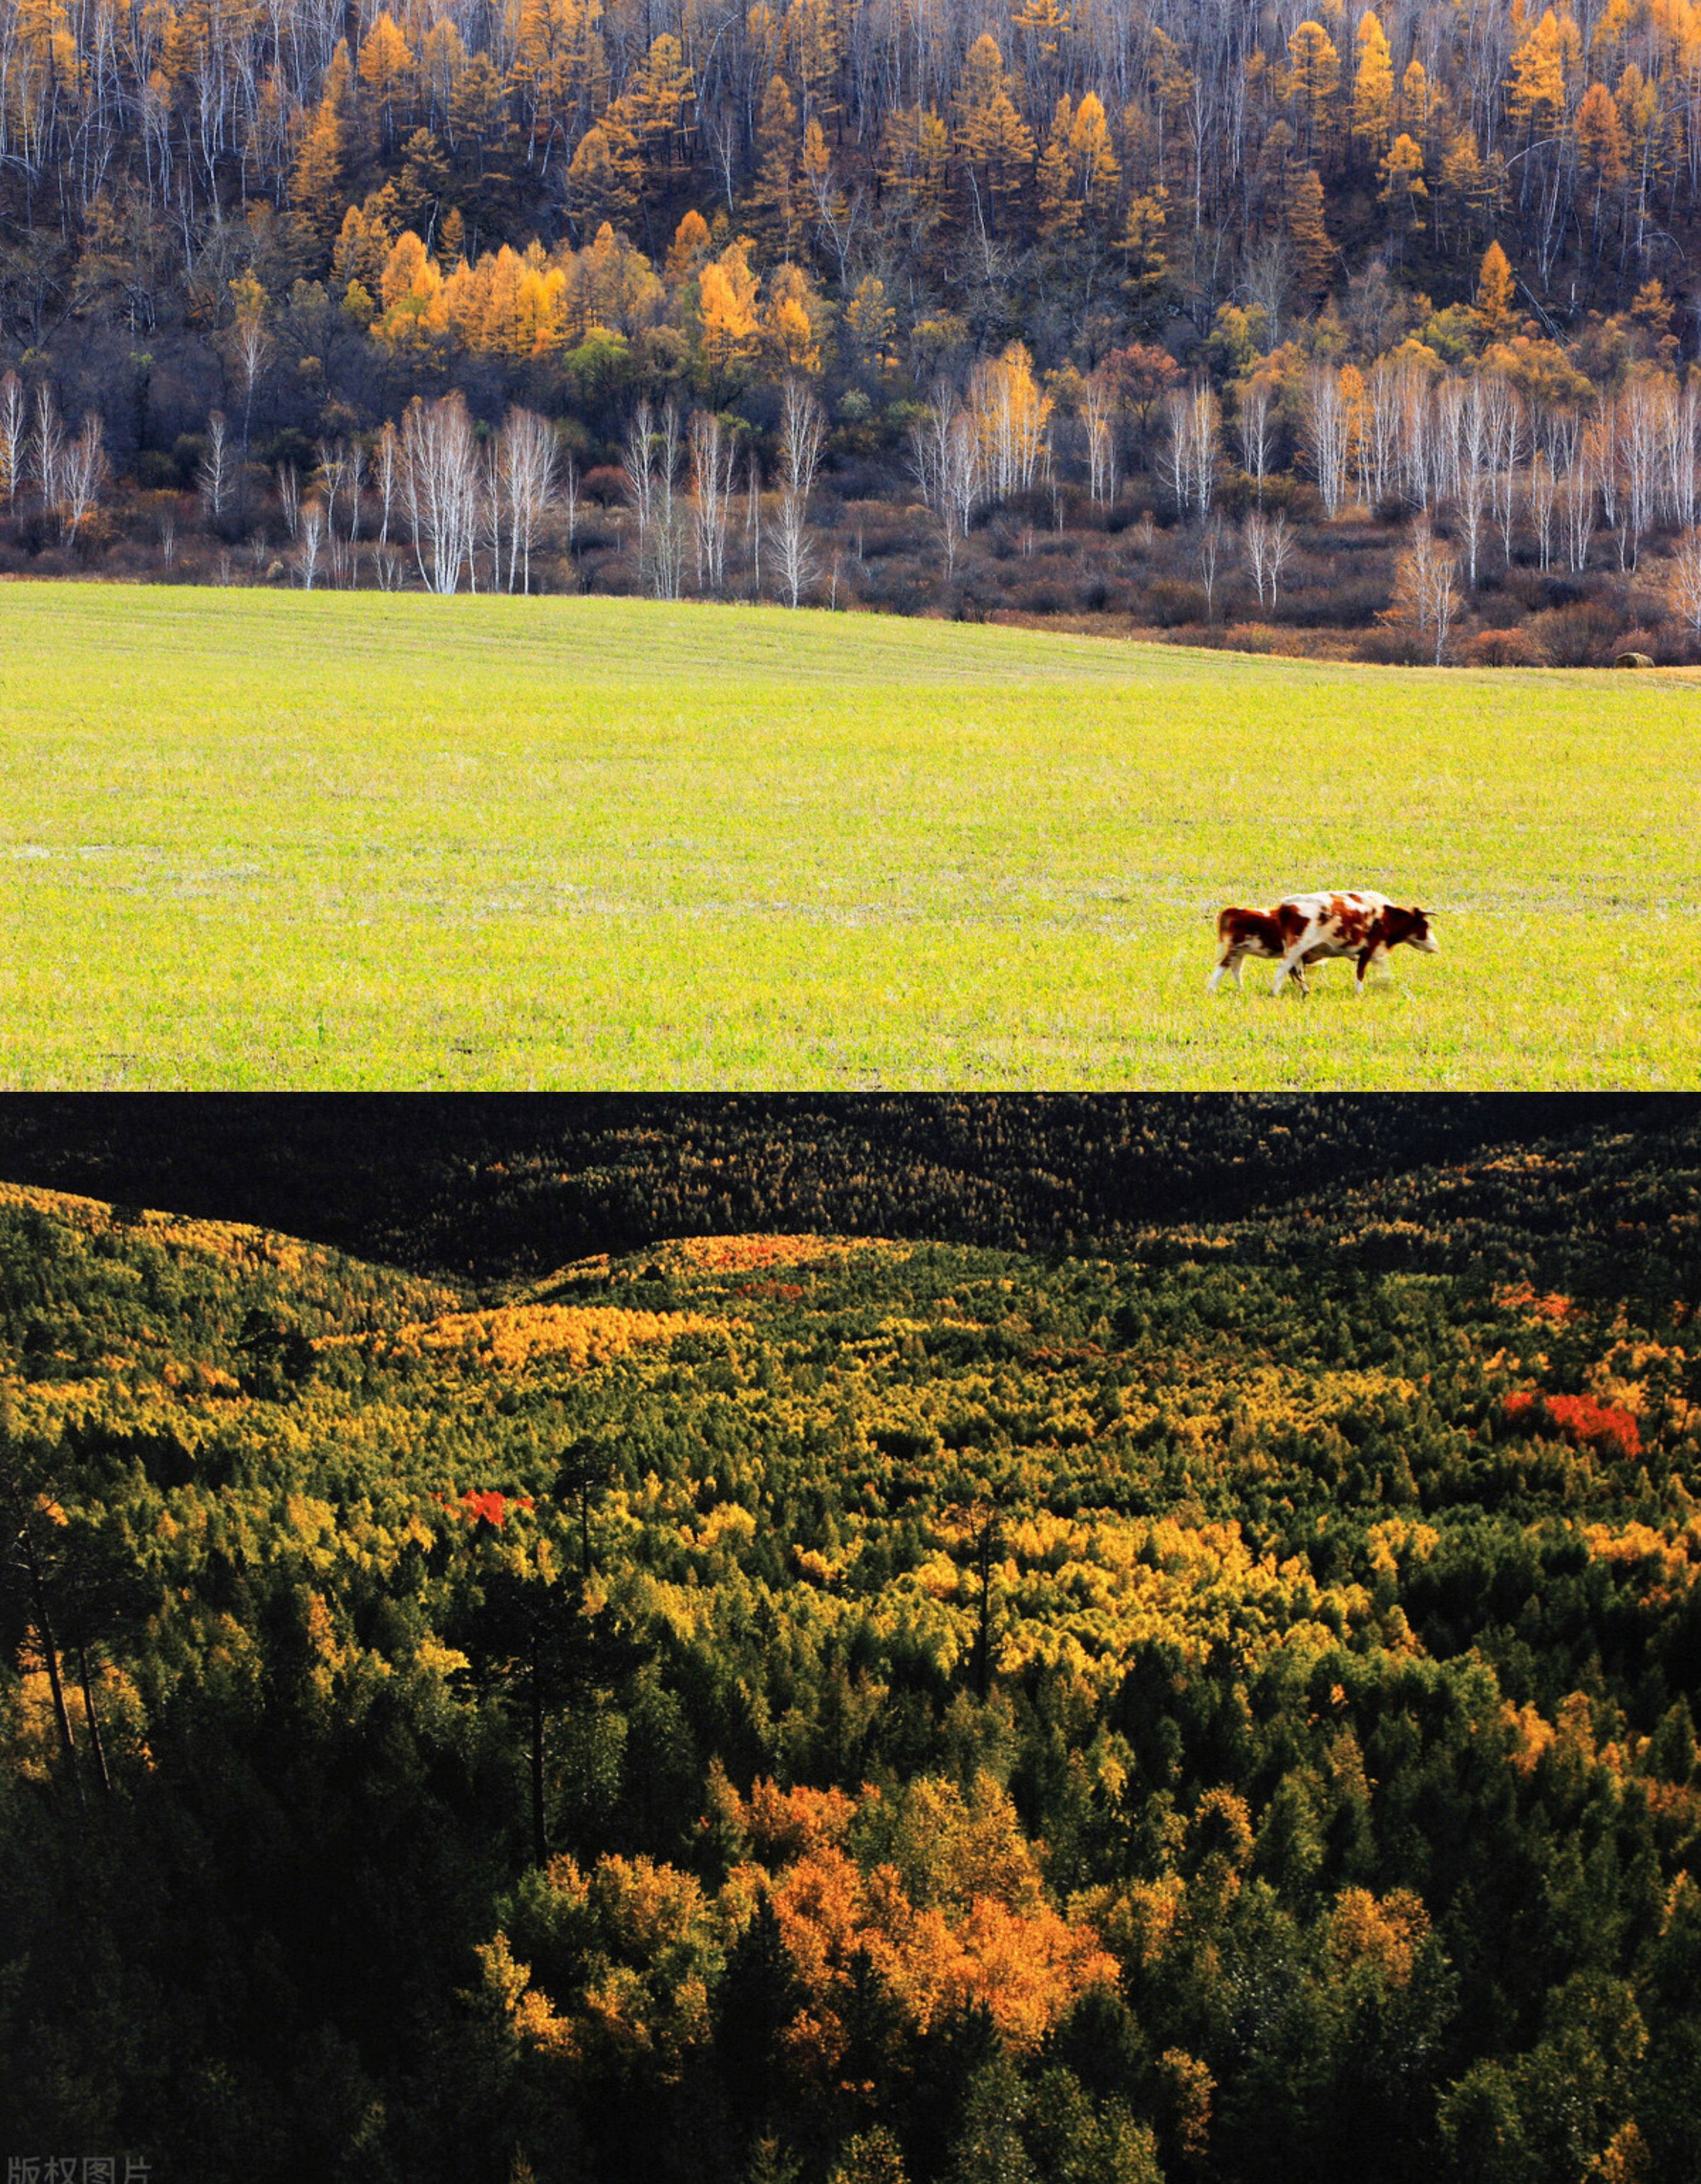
217	217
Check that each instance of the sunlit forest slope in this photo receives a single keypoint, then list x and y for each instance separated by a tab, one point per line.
806	1706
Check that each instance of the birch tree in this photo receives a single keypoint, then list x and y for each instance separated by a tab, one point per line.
47	446
1098	414
84	471
309	543
14	433
802	431
1327	436
653	451
216	469
1684	579
440	475
944	461
712	456
1253	433
526	463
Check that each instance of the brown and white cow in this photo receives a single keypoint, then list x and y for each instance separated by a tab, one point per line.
1308	928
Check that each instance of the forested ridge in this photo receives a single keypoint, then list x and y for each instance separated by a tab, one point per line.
488	1187
808	1707
872	305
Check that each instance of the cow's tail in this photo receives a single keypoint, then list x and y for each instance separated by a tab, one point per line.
1225	919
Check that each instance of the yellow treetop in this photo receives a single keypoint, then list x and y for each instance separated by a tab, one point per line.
410	291
1495	290
791	338
1536	90
1315	70
726	299
387	67
1601	146
1372	84
1402	173
690	247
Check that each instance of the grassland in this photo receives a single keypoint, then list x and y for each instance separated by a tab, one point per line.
327	840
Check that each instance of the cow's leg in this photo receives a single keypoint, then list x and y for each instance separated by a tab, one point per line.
1291	966
1227	965
1373	958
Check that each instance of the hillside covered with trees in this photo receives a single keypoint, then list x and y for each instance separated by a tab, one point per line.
490	1187
795	1707
1372	324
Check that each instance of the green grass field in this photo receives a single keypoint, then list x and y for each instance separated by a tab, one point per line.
251	838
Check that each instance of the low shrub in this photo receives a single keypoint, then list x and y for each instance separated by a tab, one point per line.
1170	601
1579	636
1517	647
1395	644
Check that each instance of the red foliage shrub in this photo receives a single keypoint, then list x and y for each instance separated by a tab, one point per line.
1582	1420
491	1505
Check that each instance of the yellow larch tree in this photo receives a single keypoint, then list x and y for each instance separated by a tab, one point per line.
610	283
727	304
442	62
1314	72
390	76
1465	187
1609	31
915	151
316	193
791	323
1404	189
1080	175
1373	86
410	295
362	247
1314	254
776	202
871	324
656	104
1494	292
605	174
1601	151
994	142
1416	110
1536	90
1144	246
810	44
1041	29
561	70
686	251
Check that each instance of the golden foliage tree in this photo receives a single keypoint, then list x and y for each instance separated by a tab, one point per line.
994	142
1494	292
1373	86
727	302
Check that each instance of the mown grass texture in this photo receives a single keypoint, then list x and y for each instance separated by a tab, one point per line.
332	840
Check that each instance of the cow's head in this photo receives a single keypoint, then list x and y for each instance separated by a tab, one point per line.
1417	933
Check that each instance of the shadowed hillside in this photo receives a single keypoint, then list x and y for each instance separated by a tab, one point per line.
487	1186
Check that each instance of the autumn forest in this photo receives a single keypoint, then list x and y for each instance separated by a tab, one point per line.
1364	329
1211	1701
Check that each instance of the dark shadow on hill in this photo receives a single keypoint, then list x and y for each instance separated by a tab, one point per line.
501	1186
